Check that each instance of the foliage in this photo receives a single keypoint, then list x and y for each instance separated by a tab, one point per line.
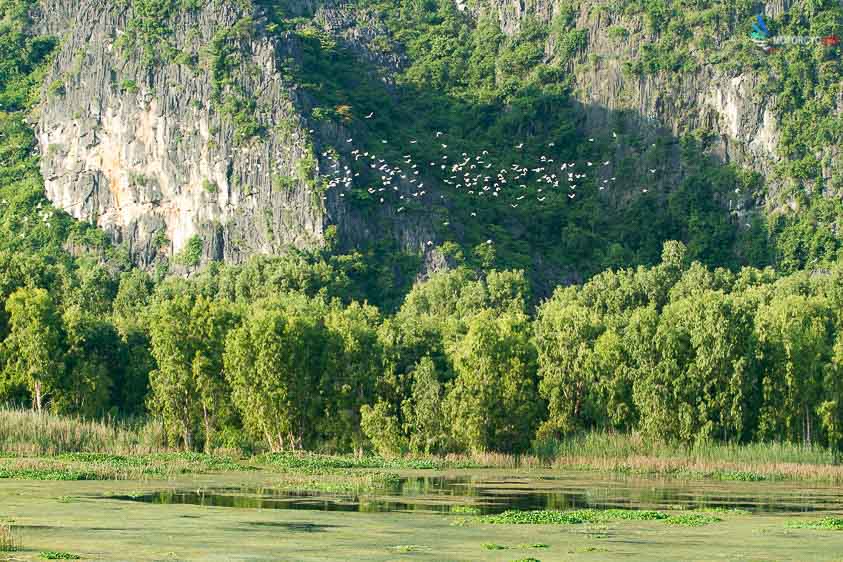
58	555
488	90
692	519
381	427
830	523
271	379
191	254
549	517
225	56
28	434
188	388
33	347
493	401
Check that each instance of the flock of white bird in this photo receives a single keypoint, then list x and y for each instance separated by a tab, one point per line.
474	174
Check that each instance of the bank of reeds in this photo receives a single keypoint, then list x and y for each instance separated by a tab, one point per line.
73	448
8	540
27	433
630	453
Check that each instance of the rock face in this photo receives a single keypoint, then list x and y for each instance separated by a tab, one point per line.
142	151
731	109
140	143
152	144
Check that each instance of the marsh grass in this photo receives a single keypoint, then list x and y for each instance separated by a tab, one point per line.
8	540
314	463
465	510
407	548
83	450
692	519
631	453
624	453
28	433
588	549
58	555
339	483
97	466
598	445
722	510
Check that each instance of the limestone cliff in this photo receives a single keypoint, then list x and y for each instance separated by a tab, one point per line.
146	140
184	133
730	108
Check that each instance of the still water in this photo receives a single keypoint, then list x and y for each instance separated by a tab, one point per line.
453	494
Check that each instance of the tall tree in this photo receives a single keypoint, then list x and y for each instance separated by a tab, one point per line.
274	364
795	349
493	403
189	388
425	423
353	370
94	358
695	387
566	334
173	392
34	349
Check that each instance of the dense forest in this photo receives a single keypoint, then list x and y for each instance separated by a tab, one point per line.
279	354
690	329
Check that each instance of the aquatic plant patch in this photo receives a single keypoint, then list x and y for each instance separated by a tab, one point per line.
550	517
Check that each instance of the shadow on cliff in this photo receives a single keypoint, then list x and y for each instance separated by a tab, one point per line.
665	188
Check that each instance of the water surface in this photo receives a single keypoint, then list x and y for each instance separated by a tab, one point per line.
451	494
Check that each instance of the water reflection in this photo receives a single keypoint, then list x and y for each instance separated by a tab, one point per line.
488	496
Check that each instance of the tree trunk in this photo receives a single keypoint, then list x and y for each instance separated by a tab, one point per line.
187	436
207	420
808	423
38	396
804	425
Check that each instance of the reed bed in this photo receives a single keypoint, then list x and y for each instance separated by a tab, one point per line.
73	448
600	445
27	433
9	542
630	453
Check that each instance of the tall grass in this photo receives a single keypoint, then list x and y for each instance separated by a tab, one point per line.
27	433
600	445
726	461
8	540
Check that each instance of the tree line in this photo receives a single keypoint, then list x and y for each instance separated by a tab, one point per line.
279	355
